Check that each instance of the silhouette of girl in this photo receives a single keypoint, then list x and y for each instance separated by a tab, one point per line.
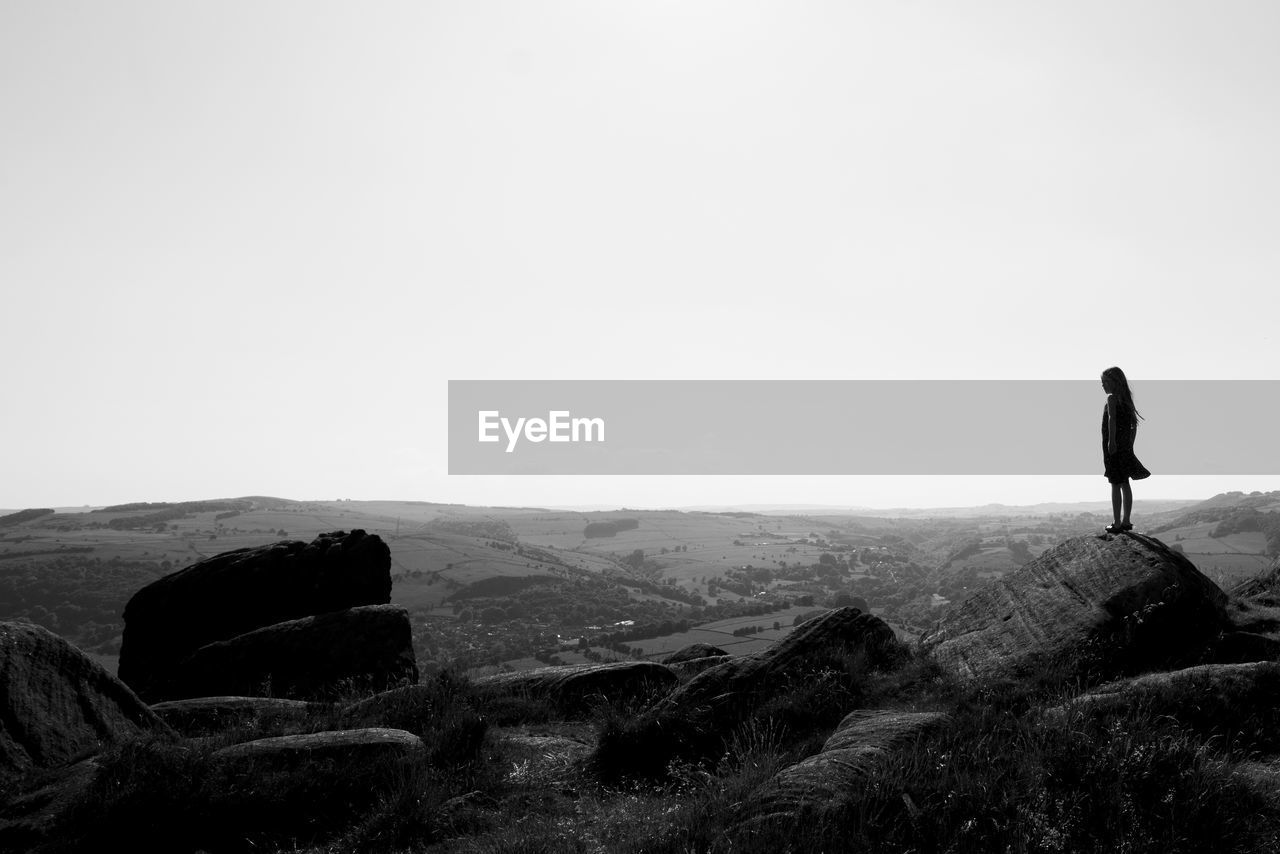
1119	428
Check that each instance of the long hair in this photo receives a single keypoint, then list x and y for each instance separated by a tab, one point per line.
1124	395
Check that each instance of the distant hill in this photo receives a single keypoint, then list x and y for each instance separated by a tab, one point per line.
490	585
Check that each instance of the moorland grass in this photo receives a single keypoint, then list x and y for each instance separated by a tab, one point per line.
1005	775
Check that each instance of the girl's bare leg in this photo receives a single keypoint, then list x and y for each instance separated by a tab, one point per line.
1116	496
1127	491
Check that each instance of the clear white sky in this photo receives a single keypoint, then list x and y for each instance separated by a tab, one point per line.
245	245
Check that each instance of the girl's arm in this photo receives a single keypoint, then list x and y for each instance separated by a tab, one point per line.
1111	423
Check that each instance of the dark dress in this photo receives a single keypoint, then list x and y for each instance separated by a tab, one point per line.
1122	465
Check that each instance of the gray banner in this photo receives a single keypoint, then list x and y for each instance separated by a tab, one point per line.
848	427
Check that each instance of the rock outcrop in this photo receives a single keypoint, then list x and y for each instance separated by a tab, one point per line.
694	666
364	747
203	716
1262	590
32	817
573	688
720	693
1104	605
697	716
243	590
693	651
314	658
1205	696
393	708
862	742
57	704
1254	612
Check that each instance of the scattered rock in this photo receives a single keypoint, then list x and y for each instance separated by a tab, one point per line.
694	666
1241	647
696	717
544	744
349	746
693	651
57	704
542	760
203	716
862	742
32	818
572	688
1262	590
243	590
1109	604
1206	696
1254	612
398	707
1262	777
314	658
722	692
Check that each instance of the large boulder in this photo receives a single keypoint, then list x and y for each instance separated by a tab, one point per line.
1254	612
205	716
699	715
314	658
692	652
694	666
369	746
862	742
1263	589
239	591
57	704
734	686
573	688
31	818
1242	698
1096	605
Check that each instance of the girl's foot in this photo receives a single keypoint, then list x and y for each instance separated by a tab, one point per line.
1126	526
1114	528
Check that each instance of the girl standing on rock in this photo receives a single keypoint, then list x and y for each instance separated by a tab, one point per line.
1119	428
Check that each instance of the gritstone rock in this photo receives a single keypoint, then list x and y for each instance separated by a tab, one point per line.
861	743
1203	696
202	716
56	703
239	591
573	687
740	683
1095	604
699	714
366	648
693	651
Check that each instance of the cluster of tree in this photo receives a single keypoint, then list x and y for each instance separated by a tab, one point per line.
641	631
23	516
79	598
499	586
609	527
728	610
57	550
548	657
479	528
185	506
1251	520
667	590
567	603
148	520
1019	549
970	547
738	587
